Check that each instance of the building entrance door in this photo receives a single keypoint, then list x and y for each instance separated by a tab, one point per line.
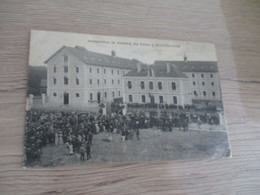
66	99
98	97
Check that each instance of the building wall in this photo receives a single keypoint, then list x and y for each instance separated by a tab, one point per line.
208	78
93	79
182	91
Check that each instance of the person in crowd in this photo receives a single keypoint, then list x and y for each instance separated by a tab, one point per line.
82	152
88	150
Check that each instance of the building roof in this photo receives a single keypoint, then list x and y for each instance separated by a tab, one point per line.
191	66
99	59
159	71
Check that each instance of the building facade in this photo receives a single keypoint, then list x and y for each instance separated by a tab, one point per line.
203	78
154	84
174	82
78	77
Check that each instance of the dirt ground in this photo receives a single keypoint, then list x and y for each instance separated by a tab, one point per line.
154	145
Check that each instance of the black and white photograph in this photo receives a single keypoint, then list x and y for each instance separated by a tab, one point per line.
95	99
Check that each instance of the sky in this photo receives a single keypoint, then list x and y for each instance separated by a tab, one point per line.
43	44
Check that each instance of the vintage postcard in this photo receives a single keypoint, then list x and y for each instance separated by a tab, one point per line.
95	99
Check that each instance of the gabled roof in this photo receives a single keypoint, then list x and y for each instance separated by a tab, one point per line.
191	66
99	59
159	71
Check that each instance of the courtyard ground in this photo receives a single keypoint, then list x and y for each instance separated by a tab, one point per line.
154	145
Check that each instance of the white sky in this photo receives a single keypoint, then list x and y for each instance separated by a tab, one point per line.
45	43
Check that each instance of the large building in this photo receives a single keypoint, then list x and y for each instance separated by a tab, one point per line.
203	77
173	82
79	77
157	84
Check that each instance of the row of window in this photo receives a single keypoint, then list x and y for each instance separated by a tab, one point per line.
66	70
66	81
76	94
91	95
161	101
151	87
105	71
105	95
204	93
202	75
105	81
203	83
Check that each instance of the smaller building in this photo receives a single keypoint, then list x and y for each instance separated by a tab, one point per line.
163	84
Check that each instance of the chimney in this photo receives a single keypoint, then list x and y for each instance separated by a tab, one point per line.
168	67
113	53
139	67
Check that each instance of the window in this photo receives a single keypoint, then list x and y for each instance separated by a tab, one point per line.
112	71
77	81
119	93
203	83
213	93
123	72
118	72
104	71
77	69
66	69
151	85
202	75
130	97
105	81
212	83
90	70
105	94
65	58
97	70
77	94
173	86
160	85
54	69
66	81
91	96
195	93
98	81
54	81
129	85
118	81
161	99
54	94
143	98
113	94
193	75
142	85
90	81
204	93
113	81
194	83
174	99
211	75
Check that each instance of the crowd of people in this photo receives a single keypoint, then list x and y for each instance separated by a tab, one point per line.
79	128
